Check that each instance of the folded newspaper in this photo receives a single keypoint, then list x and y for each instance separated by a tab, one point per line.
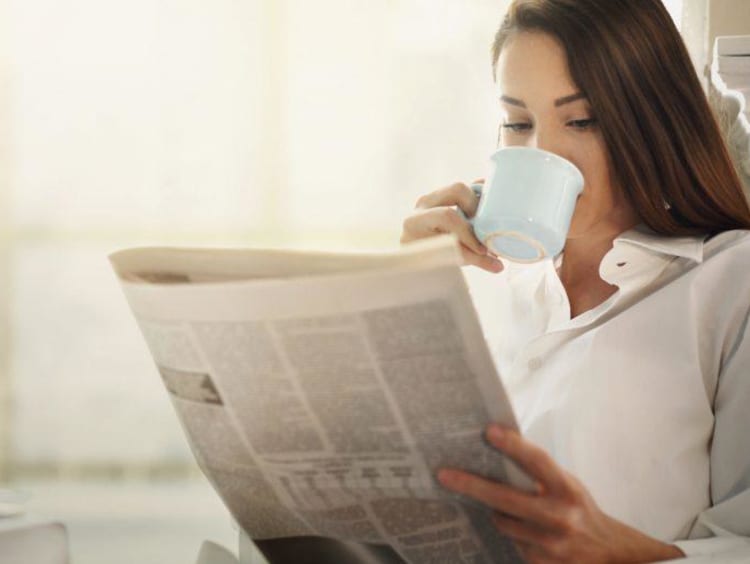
320	392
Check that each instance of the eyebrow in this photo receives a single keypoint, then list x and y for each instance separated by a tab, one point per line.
559	102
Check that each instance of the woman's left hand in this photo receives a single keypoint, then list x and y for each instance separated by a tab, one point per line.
560	522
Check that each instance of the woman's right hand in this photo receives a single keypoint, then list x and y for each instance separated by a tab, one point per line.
435	213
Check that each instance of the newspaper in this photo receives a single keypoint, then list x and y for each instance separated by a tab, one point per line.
321	392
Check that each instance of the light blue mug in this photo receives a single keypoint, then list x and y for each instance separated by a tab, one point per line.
526	203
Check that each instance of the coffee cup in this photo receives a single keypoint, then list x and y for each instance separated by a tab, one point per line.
526	203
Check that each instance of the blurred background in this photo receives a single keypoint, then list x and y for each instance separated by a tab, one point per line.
270	123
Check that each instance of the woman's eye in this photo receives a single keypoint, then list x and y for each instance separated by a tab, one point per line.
578	124
582	124
517	127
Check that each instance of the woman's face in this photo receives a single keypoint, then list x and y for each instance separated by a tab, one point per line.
543	108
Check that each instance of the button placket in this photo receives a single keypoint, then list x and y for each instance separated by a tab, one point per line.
556	299
532	357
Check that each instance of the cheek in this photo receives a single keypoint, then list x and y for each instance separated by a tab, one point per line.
596	199
591	160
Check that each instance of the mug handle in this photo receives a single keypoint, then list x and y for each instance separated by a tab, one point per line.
477	189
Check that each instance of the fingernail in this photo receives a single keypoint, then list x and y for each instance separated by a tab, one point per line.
444	476
495	432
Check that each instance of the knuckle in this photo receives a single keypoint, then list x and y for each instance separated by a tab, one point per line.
437	197
463	192
557	547
543	457
450	217
457	192
569	520
407	226
576	520
538	458
559	523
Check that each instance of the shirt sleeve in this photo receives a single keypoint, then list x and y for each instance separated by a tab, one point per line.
723	530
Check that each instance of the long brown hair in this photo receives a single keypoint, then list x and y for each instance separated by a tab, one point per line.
665	148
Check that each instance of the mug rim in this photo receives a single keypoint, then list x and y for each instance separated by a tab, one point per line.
557	158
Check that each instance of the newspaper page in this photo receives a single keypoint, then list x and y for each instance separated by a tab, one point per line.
321	393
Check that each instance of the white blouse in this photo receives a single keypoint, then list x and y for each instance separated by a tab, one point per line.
645	398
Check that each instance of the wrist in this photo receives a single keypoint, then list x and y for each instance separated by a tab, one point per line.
658	552
671	551
636	546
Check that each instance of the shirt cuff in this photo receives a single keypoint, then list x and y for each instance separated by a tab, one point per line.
724	549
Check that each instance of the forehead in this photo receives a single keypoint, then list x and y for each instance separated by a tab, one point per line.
534	65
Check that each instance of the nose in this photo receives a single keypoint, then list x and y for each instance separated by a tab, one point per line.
542	139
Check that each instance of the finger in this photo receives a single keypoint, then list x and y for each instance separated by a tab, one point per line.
533	459
469	257
521	531
457	194
485	262
430	222
503	498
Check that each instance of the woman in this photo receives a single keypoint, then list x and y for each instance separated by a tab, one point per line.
626	356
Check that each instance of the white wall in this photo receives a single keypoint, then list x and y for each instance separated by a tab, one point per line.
261	122
728	17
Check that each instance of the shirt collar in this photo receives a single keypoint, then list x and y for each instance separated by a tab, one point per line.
690	247
639	255
645	239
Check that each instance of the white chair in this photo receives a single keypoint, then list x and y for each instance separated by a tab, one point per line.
27	540
728	90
